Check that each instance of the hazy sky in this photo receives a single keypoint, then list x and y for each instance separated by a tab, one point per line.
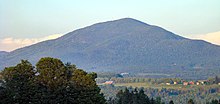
31	19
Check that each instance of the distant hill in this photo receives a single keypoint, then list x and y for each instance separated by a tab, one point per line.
2	54
123	45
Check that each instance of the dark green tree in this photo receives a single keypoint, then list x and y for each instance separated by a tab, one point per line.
19	82
2	89
190	101
152	101
52	73
217	80
119	96
135	96
86	89
132	97
126	99
143	98
171	102
215	102
52	83
158	100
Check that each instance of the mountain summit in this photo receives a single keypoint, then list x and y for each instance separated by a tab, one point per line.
122	45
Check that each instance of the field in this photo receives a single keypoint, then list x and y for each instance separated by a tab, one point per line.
160	86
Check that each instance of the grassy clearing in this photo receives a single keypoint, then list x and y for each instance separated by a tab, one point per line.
146	85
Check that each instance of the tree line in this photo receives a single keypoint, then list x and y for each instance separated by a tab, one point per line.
133	97
50	82
139	97
199	95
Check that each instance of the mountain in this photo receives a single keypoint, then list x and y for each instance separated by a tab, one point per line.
2	54
123	45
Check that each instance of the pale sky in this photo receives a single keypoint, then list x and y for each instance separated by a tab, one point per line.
31	21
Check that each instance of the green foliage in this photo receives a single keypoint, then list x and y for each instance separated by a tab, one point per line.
88	91
51	83
132	97
19	82
214	102
190	101
200	94
52	73
158	100
171	102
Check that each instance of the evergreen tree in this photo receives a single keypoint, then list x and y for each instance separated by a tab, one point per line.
52	73
190	101
152	101
143	98
135	96
132	97
51	80
18	85
119	96
52	83
85	88
217	80
158	100
171	102
126	99
215	102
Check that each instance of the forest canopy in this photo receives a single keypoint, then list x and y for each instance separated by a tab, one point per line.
49	82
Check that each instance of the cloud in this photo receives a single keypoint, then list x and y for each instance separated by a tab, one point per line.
213	38
9	44
51	37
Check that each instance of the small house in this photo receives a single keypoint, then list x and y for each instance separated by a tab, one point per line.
191	83
109	82
185	83
167	83
175	83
